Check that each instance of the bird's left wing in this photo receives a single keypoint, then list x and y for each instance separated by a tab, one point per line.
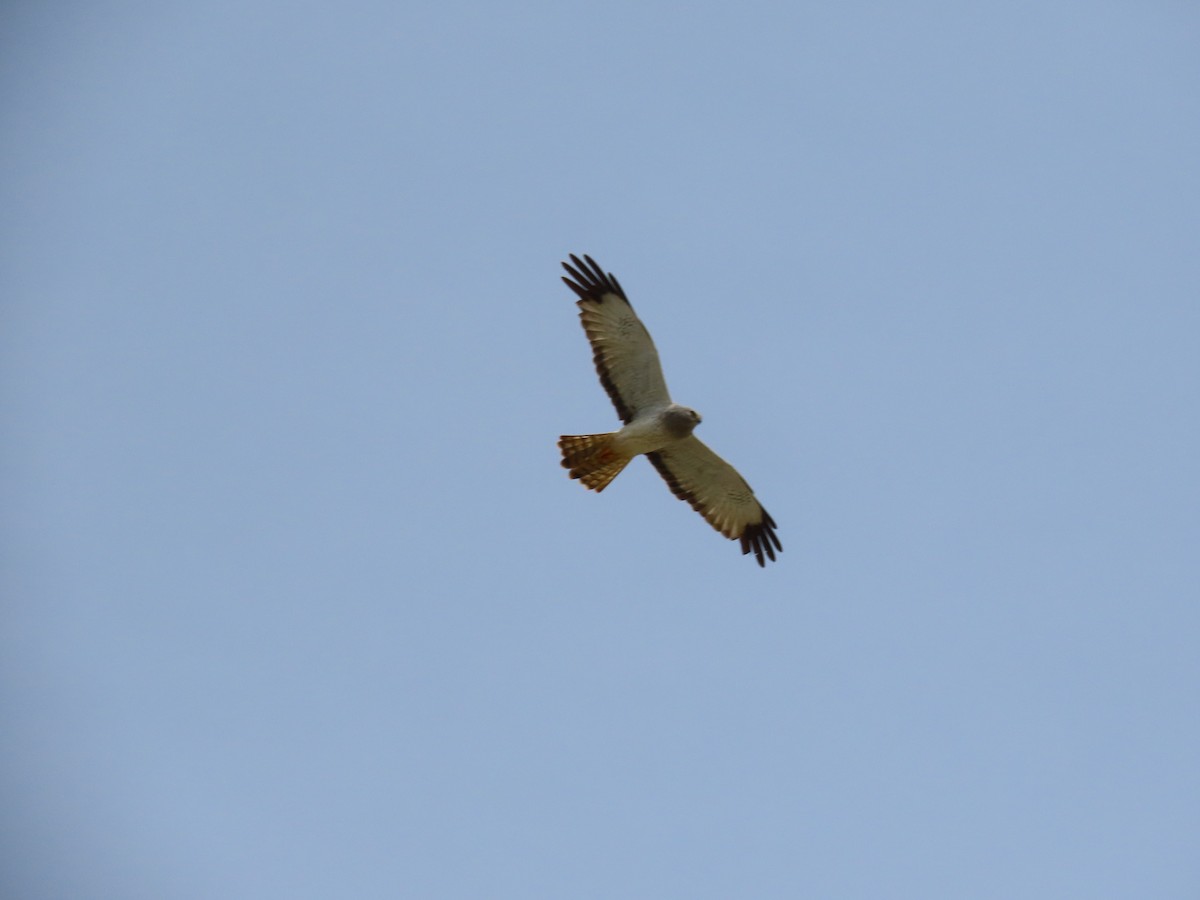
626	360
716	491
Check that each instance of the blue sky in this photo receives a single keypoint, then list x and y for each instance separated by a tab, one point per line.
298	601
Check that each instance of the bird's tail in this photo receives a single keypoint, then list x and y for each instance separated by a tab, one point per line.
592	458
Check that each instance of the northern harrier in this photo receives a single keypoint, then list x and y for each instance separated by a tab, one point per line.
630	371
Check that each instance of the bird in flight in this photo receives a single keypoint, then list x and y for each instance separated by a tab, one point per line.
628	366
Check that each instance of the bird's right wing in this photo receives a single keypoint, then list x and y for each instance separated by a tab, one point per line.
626	360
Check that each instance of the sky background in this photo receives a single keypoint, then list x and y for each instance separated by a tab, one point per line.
297	601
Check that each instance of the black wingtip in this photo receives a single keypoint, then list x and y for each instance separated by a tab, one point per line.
590	281
761	540
580	291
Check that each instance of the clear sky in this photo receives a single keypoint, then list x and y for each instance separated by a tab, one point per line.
297	601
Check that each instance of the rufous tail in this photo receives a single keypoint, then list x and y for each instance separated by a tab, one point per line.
592	458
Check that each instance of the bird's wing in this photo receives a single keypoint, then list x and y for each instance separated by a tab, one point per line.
626	360
716	491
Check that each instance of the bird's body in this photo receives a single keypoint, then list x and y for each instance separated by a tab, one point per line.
596	459
628	365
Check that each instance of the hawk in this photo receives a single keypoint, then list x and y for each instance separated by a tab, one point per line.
630	371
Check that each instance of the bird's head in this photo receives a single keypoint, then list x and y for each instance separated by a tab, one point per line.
680	421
